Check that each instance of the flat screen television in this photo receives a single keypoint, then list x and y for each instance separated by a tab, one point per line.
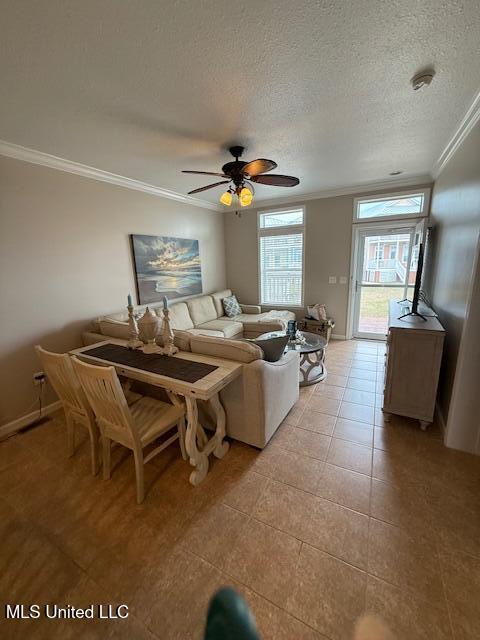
418	281
417	288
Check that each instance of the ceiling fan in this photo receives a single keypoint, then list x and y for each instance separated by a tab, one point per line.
240	176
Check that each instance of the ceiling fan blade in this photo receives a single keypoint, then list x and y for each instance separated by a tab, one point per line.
260	165
276	180
207	173
209	186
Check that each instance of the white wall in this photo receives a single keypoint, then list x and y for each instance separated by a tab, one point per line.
454	290
327	253
65	258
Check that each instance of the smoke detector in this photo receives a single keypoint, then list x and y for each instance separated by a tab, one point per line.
422	79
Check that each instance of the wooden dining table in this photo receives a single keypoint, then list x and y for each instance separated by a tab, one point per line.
211	379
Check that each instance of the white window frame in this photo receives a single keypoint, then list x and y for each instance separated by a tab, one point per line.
284	230
357	229
391	196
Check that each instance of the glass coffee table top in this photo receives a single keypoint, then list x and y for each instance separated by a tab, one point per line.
313	342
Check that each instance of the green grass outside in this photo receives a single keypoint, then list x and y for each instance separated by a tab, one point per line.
374	301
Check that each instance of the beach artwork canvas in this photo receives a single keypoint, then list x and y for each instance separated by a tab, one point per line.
166	266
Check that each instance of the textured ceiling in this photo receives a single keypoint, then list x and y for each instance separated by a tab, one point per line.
145	89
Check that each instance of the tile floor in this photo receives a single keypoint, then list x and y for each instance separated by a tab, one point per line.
341	513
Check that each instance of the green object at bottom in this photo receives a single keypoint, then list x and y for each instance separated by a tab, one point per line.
229	617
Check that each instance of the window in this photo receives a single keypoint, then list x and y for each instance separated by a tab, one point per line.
400	205
393	251
280	236
281	219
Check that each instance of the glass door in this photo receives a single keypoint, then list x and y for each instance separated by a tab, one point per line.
385	271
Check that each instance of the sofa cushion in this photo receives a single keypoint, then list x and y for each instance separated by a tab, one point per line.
201	310
114	328
228	328
206	332
231	306
217	297
236	350
247	317
272	348
178	315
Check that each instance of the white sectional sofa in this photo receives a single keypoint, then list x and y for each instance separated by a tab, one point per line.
255	403
202	315
258	401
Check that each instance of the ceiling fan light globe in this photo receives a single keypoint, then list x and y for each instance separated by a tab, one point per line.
246	193
226	198
245	201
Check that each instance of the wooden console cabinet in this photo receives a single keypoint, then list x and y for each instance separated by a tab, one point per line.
412	365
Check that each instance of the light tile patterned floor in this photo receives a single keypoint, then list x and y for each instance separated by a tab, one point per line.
339	514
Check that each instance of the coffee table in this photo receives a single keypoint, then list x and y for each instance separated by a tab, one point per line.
312	352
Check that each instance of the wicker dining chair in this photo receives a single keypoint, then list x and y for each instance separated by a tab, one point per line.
61	375
134	427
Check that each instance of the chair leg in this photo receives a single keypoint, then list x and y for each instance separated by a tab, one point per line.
106	450
94	449
70	435
181	434
138	455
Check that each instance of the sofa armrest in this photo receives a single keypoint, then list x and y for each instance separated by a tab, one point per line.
90	337
251	308
270	389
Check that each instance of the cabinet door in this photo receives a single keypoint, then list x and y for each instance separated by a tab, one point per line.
413	367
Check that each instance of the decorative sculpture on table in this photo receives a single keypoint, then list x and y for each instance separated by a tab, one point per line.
147	330
169	349
133	342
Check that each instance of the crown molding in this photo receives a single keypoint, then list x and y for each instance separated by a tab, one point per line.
68	166
61	164
466	125
364	187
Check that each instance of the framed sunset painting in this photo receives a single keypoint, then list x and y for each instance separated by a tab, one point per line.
166	266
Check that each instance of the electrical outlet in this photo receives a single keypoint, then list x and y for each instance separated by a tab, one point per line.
39	378
343	280
332	279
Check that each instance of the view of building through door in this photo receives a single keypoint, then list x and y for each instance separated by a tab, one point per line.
385	270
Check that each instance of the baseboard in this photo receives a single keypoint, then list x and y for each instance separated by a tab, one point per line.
14	426
337	336
441	419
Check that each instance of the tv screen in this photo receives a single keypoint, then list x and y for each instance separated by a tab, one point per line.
418	280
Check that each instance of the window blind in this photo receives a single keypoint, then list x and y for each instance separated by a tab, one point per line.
281	266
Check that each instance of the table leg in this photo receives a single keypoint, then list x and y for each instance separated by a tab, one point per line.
312	361
198	459
178	401
221	446
202	437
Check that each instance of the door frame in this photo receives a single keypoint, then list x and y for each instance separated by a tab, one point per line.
371	227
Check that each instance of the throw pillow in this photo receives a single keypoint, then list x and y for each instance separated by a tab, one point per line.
231	306
272	348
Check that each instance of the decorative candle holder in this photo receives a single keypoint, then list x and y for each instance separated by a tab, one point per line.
169	349
147	330
133	342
